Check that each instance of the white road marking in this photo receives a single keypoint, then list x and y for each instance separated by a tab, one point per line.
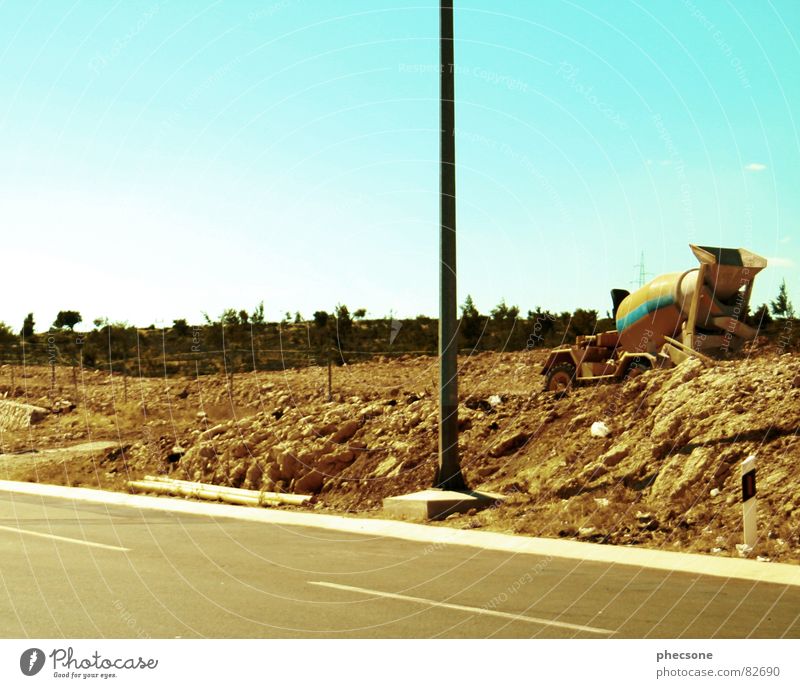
48	536
465	608
370	528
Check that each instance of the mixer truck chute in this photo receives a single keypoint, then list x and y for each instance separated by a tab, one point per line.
699	312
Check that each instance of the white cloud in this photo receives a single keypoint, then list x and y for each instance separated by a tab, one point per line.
785	239
778	262
755	167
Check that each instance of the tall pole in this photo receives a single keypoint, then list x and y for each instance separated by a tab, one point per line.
448	475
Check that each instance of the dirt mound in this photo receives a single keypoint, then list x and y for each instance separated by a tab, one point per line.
667	474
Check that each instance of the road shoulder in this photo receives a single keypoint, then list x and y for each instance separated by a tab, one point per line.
765	572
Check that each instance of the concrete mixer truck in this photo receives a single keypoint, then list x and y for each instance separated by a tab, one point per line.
699	312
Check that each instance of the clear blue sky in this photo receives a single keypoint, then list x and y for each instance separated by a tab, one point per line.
163	158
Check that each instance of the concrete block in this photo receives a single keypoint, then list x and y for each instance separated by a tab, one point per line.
434	504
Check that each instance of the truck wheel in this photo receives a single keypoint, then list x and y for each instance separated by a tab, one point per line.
560	378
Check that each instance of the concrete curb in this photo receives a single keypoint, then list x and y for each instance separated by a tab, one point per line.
764	572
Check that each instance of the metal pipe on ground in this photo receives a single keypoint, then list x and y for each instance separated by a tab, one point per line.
208	486
184	491
283	497
221	493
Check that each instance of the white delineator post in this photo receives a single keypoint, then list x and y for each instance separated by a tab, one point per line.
749	501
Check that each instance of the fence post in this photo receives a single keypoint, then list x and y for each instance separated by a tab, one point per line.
330	378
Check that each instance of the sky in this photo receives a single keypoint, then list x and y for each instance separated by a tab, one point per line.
162	159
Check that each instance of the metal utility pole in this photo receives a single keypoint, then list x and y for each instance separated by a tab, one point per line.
448	475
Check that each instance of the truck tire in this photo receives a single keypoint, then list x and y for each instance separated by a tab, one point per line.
637	367
560	378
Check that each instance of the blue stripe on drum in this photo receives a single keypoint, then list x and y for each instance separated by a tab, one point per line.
645	309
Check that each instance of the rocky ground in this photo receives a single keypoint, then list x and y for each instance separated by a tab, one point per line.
665	476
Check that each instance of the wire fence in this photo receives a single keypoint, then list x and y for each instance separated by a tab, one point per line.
217	348
67	368
228	361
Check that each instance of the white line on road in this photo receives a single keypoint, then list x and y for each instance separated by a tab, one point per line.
87	543
367	529
465	608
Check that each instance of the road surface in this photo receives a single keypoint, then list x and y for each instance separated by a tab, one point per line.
79	570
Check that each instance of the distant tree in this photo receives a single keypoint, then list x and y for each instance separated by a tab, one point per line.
504	319
243	317
500	311
583	322
468	309
67	319
541	314
257	316
541	325
781	306
471	322
605	324
7	335
180	327
297	317
342	312
344	324
99	323
287	317
27	326
503	312
320	319
360	314
229	317
761	317
564	319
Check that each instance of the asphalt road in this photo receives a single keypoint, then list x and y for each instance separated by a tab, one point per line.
78	570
